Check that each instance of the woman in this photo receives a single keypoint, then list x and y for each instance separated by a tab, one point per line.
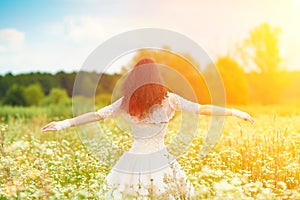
147	169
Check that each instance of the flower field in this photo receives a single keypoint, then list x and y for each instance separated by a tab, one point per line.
260	161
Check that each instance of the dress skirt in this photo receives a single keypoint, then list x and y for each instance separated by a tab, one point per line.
148	176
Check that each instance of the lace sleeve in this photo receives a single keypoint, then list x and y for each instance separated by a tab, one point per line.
179	103
110	110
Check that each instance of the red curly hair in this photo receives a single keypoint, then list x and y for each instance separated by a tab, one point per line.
142	89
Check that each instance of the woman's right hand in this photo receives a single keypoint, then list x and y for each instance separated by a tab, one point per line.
57	126
49	127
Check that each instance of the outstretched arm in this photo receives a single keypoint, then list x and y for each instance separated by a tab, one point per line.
179	103
221	111
76	121
106	112
214	110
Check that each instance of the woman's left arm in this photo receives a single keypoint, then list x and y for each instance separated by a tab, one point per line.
179	103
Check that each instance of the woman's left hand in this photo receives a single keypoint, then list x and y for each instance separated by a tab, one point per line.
242	115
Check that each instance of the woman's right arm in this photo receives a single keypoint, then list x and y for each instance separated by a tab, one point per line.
103	113
76	121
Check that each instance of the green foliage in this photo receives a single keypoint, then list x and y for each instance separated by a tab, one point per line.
292	92
20	112
34	94
267	88
103	99
216	91
15	96
57	103
89	85
234	79
262	48
260	52
54	111
56	96
46	80
66	81
107	83
86	84
60	110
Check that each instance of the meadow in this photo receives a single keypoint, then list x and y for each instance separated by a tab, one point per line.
260	161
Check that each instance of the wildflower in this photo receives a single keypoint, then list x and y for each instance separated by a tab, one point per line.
4	128
65	143
251	187
49	152
9	189
34	174
223	186
236	181
19	183
281	185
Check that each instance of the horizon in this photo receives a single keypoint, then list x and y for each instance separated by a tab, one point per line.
110	73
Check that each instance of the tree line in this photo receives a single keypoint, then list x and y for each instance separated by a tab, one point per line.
42	89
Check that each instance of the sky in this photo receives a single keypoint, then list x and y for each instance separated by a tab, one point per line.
55	35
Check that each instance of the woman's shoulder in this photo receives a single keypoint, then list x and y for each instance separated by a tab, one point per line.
173	96
173	99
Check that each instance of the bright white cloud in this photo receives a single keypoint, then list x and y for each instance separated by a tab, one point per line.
11	40
80	29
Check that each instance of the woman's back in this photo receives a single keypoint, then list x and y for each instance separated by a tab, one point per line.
150	131
147	162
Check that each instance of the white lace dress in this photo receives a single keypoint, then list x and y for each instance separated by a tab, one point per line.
147	169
